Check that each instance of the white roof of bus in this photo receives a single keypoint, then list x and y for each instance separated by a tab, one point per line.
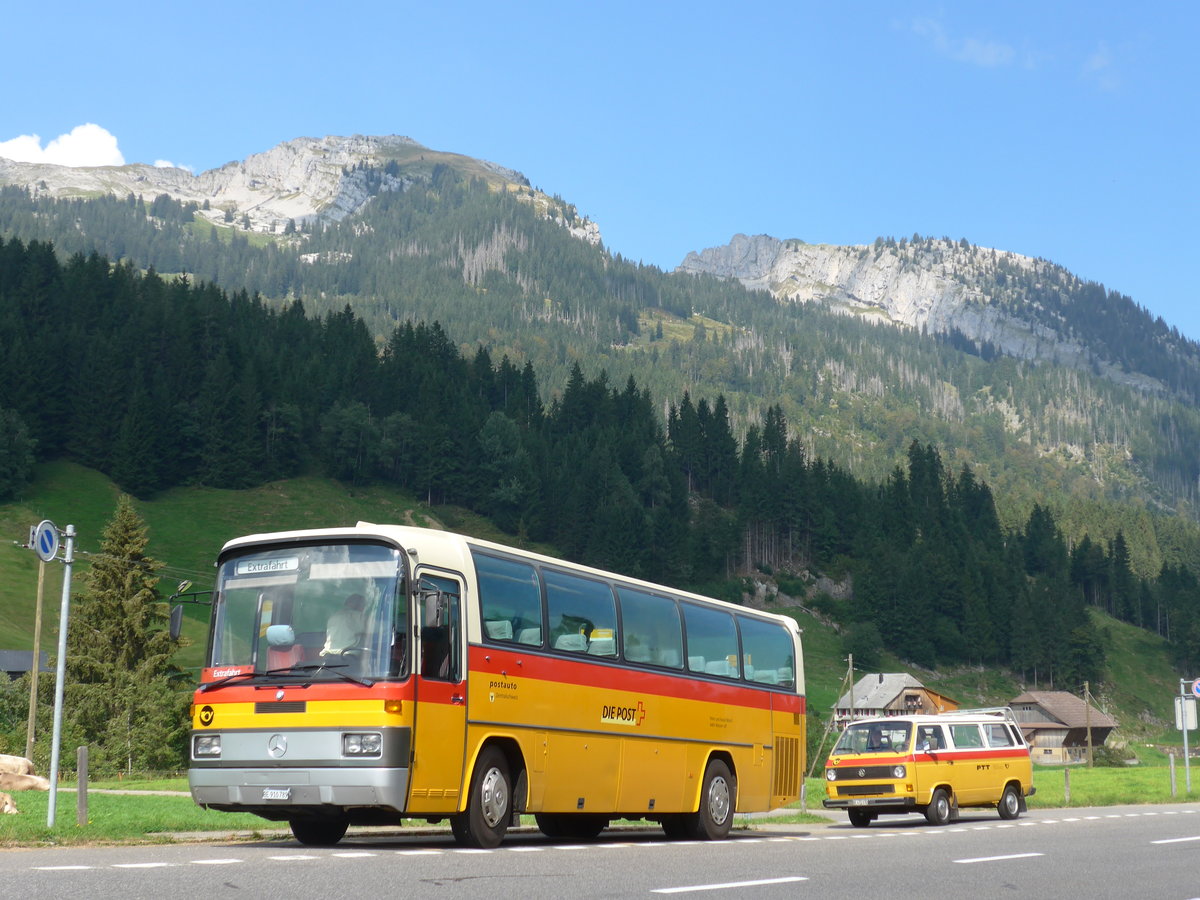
457	544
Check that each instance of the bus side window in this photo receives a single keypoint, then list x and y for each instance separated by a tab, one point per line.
650	629
582	614
712	634
510	600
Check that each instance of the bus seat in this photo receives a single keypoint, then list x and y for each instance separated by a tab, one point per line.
669	657
748	671
530	636
718	667
785	675
696	663
603	647
766	676
500	629
576	643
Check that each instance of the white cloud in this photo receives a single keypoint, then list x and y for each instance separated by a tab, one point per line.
986	54
1100	69
167	164
84	145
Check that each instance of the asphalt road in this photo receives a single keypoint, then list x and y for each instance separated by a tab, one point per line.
1118	852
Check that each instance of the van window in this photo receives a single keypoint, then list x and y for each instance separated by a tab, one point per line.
998	735
966	736
930	737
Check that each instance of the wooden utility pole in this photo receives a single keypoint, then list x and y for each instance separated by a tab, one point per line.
1087	712
37	662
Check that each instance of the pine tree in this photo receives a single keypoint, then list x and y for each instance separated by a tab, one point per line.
121	692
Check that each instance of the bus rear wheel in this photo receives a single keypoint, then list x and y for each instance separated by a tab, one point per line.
319	832
489	804
718	800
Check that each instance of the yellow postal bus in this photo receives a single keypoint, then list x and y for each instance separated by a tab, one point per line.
364	674
933	764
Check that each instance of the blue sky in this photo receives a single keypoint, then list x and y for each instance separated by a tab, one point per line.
1061	130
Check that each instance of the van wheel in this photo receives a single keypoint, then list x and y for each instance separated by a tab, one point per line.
938	810
860	818
1010	803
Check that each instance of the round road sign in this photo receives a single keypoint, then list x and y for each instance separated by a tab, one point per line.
1196	687
45	540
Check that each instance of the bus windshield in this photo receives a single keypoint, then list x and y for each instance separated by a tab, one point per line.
873	737
317	612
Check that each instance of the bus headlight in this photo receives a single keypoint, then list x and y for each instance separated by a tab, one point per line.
365	744
206	746
899	772
831	774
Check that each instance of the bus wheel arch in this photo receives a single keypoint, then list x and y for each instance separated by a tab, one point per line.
713	817
494	794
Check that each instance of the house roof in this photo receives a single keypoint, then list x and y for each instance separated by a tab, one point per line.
1067	709
877	691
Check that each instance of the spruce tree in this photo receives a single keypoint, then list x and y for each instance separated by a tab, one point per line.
122	693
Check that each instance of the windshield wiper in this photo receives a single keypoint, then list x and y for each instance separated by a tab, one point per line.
313	668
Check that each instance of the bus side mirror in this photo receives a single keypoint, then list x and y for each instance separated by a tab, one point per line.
176	621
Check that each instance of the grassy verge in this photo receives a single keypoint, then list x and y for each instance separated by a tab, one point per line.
132	817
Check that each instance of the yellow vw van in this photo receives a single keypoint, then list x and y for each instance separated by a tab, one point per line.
932	764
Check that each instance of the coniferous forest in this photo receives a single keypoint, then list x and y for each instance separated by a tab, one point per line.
162	382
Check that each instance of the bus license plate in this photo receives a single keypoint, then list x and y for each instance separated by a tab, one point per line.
277	793
852	802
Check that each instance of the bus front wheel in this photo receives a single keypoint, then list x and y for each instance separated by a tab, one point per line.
718	799
489	805
319	832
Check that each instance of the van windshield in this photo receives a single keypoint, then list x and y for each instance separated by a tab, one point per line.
874	737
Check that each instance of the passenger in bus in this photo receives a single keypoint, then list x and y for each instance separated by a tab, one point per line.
345	628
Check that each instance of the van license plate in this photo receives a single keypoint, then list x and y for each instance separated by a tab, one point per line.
277	793
852	802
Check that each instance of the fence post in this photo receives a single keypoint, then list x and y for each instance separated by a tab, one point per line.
1066	787
81	796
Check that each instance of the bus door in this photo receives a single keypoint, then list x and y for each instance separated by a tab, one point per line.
440	721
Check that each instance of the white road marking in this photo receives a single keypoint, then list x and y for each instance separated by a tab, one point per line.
148	865
979	859
60	868
1176	840
355	854
215	862
730	885
293	856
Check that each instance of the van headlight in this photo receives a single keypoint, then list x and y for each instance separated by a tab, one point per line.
206	746
831	774
362	744
899	771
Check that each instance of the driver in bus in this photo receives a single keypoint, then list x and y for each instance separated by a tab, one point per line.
345	628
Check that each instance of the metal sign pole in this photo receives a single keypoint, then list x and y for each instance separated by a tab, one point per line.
1187	759
63	617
